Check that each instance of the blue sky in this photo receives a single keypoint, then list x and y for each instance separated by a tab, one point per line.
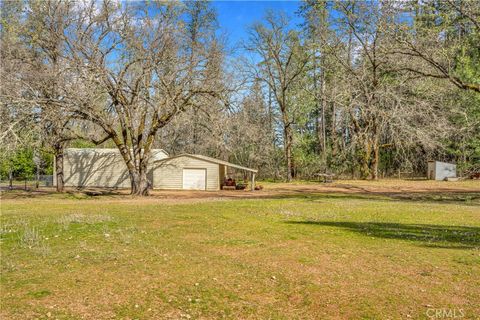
235	16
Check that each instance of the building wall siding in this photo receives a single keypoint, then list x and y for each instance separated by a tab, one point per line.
438	170
104	168
168	174
445	170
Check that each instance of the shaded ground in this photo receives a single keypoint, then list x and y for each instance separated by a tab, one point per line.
467	192
453	237
423	190
349	250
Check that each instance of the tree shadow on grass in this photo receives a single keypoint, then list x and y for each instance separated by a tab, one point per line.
428	235
464	198
70	193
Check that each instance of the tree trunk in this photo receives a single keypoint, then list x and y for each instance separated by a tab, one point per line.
374	166
59	168
365	160
271	118
10	179
323	30
139	182
194	130
318	130
365	169
323	107
288	152
318	105
334	132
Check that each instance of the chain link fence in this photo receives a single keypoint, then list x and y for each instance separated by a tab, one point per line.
22	183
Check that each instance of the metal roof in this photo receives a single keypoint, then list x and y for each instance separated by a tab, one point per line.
107	150
209	159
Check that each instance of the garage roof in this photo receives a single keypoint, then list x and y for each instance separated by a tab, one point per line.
156	153
213	160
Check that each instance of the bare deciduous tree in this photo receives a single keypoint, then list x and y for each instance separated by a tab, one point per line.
143	62
282	61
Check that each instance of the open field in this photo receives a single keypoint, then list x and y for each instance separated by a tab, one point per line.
348	250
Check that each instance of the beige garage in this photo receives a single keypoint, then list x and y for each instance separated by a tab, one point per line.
105	168
194	179
93	167
193	172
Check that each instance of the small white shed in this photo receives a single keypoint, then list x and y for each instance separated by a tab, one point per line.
441	170
193	172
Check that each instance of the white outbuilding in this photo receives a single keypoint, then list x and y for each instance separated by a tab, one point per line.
441	170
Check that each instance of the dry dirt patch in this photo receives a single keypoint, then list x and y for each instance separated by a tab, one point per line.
392	189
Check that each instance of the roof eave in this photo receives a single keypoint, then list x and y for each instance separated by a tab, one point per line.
225	163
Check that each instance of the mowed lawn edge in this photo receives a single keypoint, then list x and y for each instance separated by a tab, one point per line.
295	257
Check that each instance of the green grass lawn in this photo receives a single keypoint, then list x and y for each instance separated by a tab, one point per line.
312	256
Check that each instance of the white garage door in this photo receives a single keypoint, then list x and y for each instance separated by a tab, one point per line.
194	179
